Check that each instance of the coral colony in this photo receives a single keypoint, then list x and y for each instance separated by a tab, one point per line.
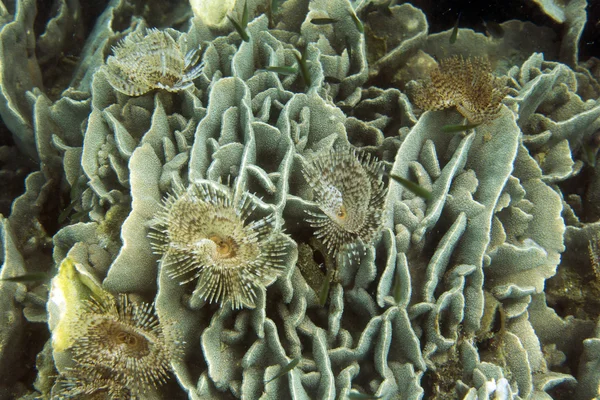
409	213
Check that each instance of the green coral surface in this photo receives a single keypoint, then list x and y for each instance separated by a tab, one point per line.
488	289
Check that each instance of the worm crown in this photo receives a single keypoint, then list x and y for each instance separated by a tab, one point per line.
348	189
141	63
120	348
468	85
78	384
203	235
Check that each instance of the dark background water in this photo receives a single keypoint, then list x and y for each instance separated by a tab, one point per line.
442	14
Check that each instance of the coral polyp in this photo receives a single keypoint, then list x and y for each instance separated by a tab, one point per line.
349	190
203	235
120	345
141	63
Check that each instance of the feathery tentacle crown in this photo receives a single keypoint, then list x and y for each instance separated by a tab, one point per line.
349	190
78	385
202	235
468	85
141	63
120	349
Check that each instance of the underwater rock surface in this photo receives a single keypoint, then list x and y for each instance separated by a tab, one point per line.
338	242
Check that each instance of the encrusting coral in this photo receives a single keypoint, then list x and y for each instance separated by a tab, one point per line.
348	188
451	294
141	63
203	233
119	347
467	84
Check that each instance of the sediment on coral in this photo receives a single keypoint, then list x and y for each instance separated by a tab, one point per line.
212	214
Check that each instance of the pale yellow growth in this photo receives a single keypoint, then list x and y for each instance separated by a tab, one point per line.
212	12
71	286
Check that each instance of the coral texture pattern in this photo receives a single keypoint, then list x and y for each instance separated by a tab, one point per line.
370	242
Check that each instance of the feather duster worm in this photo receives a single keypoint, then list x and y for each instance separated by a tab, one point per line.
203	235
141	63
468	85
349	190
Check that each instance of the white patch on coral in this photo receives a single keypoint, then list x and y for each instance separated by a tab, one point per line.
212	12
